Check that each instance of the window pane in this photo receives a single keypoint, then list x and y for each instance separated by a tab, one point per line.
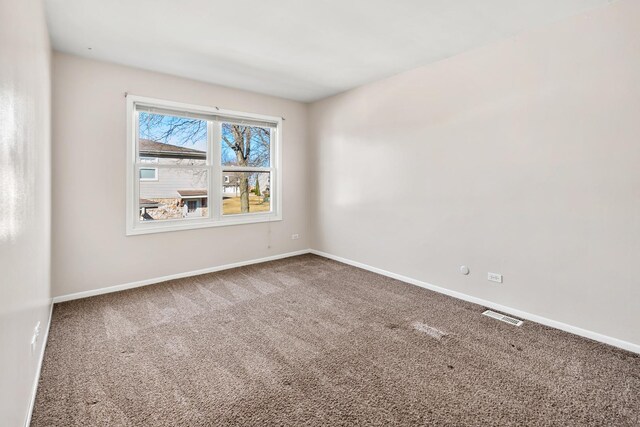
148	173
176	194
246	192
172	140
246	145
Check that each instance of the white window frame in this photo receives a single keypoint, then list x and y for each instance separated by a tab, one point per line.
213	166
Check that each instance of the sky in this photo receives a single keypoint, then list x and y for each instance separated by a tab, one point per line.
192	133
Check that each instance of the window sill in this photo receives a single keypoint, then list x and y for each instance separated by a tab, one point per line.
165	227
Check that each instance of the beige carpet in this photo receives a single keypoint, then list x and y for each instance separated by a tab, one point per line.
309	341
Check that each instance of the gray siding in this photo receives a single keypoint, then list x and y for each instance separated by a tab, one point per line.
170	181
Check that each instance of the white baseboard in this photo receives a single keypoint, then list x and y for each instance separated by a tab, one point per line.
34	389
125	286
635	348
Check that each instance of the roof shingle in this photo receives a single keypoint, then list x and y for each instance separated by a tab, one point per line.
151	148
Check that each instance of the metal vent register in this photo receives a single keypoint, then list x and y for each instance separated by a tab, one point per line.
503	318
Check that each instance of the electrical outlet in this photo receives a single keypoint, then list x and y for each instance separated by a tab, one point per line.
295	236
495	277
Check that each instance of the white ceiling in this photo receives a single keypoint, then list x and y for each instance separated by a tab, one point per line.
297	49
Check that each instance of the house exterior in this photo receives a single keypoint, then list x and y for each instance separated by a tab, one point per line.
231	183
176	193
167	193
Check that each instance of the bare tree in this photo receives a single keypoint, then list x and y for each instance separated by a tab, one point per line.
243	141
182	130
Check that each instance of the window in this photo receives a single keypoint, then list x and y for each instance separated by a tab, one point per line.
193	166
148	174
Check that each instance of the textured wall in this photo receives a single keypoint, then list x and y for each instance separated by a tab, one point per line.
90	249
25	200
520	158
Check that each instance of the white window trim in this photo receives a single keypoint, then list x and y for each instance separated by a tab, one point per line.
215	172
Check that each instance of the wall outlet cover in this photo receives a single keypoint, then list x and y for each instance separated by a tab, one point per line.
495	277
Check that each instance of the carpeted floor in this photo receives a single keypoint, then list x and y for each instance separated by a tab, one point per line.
309	341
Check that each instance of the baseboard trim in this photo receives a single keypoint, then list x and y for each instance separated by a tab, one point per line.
635	348
34	389
131	285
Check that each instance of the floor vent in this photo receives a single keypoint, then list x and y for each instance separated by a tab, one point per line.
503	318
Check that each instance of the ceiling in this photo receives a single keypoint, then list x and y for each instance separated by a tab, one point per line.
296	49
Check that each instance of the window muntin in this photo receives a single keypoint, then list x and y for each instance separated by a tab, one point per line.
229	160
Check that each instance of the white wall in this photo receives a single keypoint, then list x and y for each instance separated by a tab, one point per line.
90	249
521	158
24	201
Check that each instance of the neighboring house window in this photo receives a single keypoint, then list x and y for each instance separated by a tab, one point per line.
148	174
194	166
